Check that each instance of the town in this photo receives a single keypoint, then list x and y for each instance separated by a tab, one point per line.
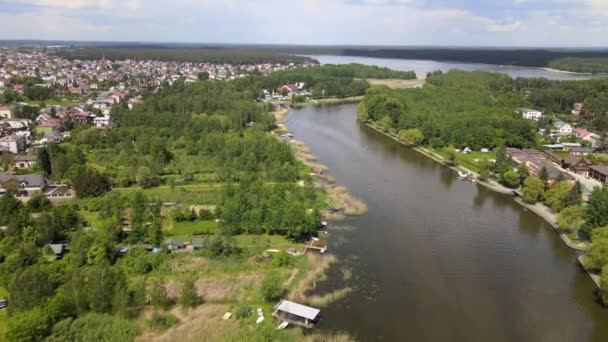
43	97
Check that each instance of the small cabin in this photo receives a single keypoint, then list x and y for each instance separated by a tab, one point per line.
296	314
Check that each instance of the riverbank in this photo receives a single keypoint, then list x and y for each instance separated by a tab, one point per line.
342	202
539	209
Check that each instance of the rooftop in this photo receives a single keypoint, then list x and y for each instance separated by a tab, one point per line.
298	309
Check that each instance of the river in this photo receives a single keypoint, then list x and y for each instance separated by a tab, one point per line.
436	258
422	67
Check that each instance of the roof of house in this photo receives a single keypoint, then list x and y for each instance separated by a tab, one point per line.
600	168
174	241
298	309
572	159
582	149
24	158
34	181
57	248
50	123
198	242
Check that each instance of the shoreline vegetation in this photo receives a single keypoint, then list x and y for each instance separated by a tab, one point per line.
339	196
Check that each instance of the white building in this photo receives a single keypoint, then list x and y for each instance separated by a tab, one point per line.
102	121
13	143
563	128
5	112
530	114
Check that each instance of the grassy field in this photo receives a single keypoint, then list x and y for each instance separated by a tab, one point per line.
397	83
188	194
469	160
3	315
185	230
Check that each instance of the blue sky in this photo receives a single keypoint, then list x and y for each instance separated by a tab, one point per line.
364	22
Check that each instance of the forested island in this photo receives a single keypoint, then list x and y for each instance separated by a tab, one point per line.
175	209
583	65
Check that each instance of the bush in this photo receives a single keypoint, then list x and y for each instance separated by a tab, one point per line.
31	325
189	296
205	215
94	327
271	288
510	179
162	321
242	312
158	294
282	259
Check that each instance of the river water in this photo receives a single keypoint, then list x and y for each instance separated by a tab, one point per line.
422	67
436	258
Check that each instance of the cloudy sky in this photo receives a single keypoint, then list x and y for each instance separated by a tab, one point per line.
365	22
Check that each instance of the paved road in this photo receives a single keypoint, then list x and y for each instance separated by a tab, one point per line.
589	183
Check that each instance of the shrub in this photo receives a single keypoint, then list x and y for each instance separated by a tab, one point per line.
282	259
162	321
271	288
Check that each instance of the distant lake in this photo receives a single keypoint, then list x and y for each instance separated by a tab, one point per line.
422	67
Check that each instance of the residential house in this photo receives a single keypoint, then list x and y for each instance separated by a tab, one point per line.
26	184
586	135
19	88
49	127
42	118
103	122
568	146
287	88
174	244
599	172
581	151
58	249
577	164
13	143
529	114
6	112
24	162
562	128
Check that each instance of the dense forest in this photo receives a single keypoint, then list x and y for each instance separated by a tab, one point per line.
216	55
515	57
585	65
457	108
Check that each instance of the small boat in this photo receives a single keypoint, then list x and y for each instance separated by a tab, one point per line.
283	325
463	175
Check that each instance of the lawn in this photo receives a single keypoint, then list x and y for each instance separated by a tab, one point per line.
470	160
188	194
3	315
185	230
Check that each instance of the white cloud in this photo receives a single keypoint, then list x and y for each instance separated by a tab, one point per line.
373	22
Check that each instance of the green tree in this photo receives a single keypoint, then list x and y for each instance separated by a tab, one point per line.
203	76
510	179
411	137
158	294
574	196
30	287
271	288
533	189
597	253
523	172
555	196
544	176
100	285
31	325
450	154
596	214
571	218
189	297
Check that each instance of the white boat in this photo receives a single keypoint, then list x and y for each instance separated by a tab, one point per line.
283	325
463	175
